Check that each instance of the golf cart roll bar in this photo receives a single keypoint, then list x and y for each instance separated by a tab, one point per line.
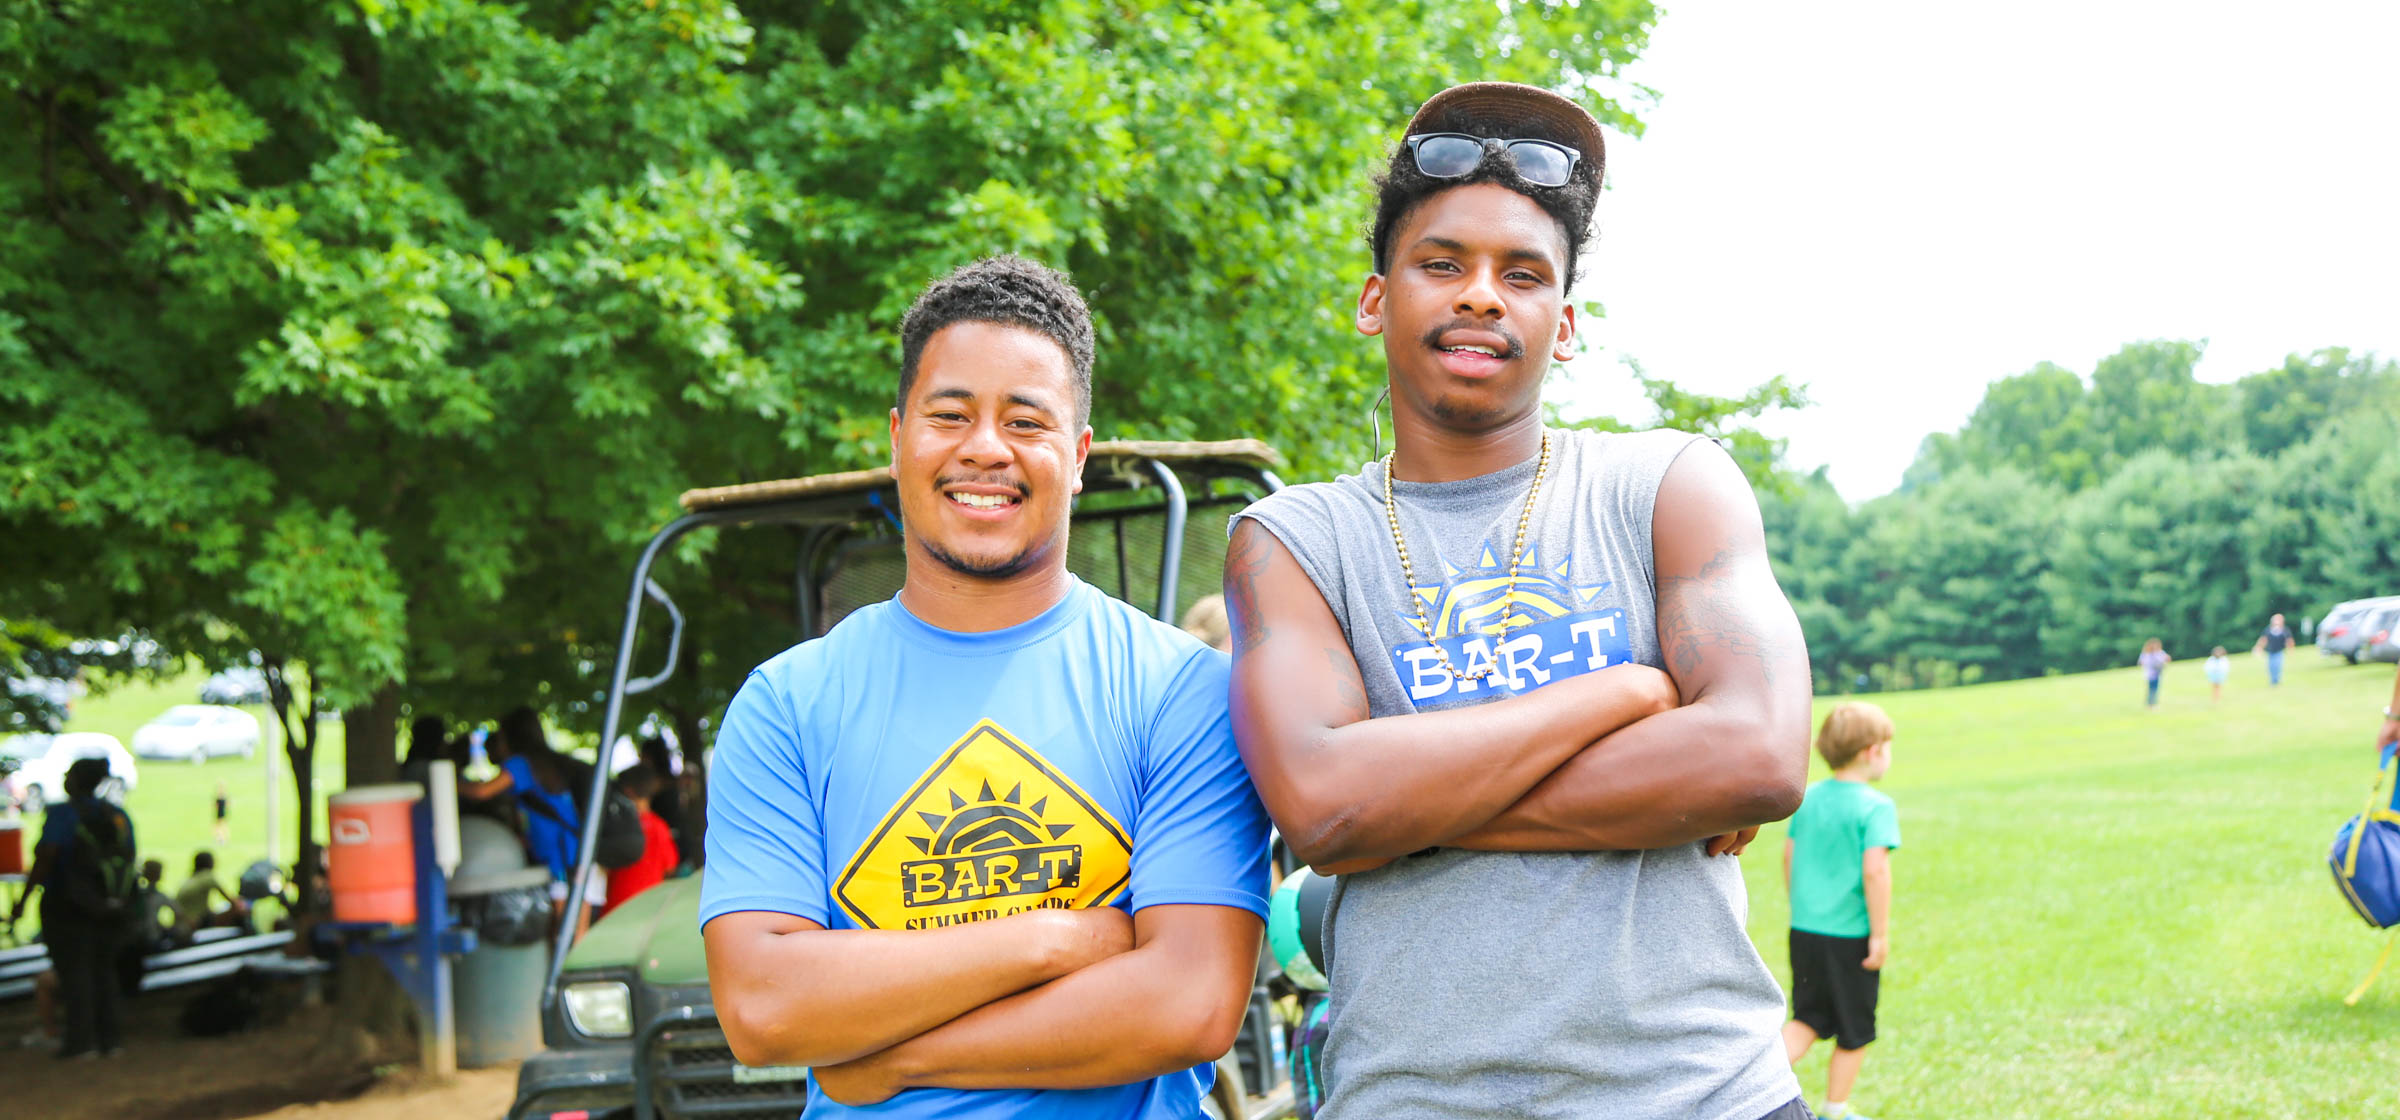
618	686
761	501
1170	557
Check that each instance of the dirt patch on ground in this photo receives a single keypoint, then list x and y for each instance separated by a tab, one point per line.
308	1062
475	1094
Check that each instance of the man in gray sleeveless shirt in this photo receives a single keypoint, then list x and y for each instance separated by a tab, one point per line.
1524	689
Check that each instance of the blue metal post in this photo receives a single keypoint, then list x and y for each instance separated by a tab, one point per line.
437	1025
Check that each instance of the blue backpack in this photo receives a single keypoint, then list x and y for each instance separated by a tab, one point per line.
2366	863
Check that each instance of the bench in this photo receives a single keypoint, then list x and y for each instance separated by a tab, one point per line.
213	953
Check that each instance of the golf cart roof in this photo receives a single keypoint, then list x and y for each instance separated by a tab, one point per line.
1113	465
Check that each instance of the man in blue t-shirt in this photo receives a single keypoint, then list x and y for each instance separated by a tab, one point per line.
986	849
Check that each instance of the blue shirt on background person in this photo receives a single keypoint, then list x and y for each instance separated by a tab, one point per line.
59	822
894	775
550	837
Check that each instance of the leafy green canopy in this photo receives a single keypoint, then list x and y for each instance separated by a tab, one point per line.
2066	522
377	335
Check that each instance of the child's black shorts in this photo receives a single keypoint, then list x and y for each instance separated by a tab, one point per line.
1832	991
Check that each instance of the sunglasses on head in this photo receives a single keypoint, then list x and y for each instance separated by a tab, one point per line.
1455	155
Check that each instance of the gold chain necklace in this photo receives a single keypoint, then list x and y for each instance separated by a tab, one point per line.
1408	572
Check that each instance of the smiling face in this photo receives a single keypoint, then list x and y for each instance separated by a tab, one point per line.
1472	308
987	451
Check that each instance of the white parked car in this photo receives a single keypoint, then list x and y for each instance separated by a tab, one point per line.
198	732
42	778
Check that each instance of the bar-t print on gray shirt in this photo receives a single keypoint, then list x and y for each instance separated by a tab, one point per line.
1542	984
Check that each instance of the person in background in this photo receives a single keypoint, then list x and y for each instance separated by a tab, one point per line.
2218	667
542	782
2272	641
1207	622
426	743
195	900
2154	664
673	802
159	915
640	784
83	948
1837	866
222	804
45	1008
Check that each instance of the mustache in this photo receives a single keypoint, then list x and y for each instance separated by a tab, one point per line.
948	480
1516	347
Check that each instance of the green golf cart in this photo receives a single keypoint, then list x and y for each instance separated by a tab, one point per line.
628	1029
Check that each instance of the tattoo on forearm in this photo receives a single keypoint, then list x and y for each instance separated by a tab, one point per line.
1347	687
1245	559
1705	613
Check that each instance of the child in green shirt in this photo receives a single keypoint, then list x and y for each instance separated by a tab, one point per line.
1837	866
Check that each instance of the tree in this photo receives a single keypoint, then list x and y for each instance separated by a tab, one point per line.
2283	407
2337	514
43	670
376	337
1724	419
1956	572
2047	423
2145	397
2062	524
2159	550
2037	422
1809	532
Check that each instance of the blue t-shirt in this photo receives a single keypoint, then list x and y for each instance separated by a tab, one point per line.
58	826
550	837
892	775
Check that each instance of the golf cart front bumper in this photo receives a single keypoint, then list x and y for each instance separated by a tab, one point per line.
593	1084
679	1063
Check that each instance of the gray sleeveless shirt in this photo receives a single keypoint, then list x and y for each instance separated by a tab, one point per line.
1545	984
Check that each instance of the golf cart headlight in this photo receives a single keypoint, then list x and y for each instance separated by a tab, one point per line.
601	1009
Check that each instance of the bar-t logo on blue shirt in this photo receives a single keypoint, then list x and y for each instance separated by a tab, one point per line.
990	829
1555	629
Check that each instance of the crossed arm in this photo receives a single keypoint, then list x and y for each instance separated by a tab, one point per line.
1047	999
1625	758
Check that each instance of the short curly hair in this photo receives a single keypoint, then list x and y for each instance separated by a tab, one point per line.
1401	189
1010	291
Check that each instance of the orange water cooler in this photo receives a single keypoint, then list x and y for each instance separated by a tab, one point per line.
373	855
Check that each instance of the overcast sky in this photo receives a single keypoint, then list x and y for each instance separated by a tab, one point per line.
1897	203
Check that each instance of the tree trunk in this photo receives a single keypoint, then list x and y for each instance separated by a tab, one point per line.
300	747
379	1013
371	740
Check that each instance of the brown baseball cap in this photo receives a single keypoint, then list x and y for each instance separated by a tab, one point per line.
1559	116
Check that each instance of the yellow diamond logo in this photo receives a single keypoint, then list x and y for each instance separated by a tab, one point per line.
991	829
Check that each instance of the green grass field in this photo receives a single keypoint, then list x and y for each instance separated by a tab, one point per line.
172	804
2102	911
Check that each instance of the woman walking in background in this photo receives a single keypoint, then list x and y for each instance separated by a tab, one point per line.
2154	663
